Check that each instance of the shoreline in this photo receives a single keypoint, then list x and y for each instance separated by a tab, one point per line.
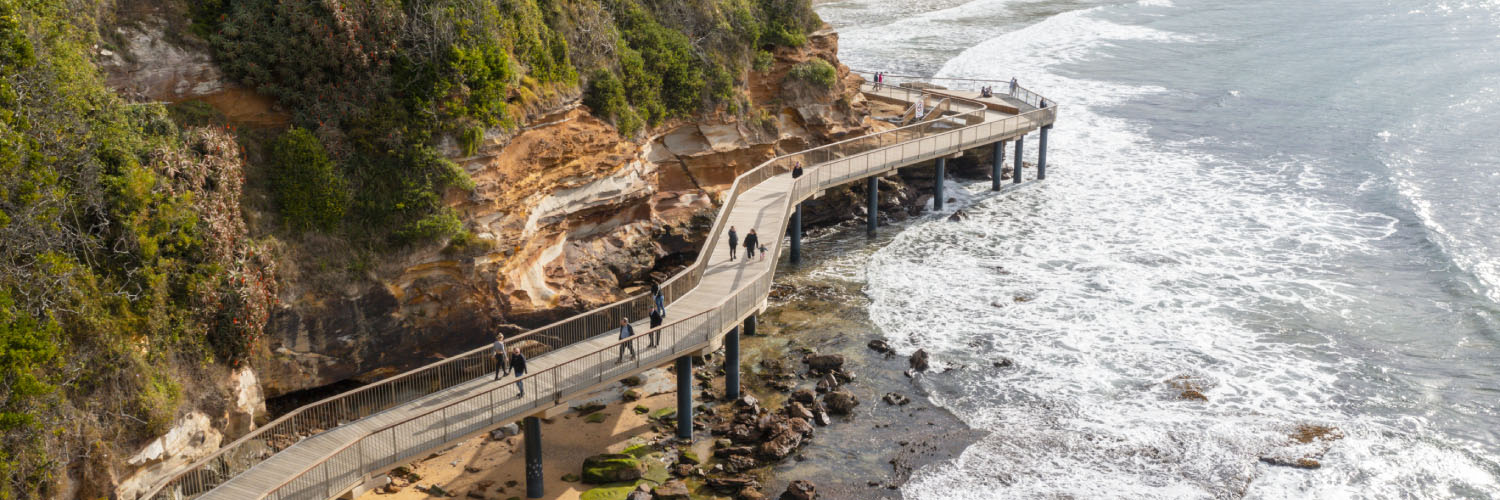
869	453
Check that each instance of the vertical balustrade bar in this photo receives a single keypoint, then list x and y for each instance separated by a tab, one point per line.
872	191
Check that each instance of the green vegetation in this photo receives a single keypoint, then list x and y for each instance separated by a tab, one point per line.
125	264
673	60
816	72
380	84
309	193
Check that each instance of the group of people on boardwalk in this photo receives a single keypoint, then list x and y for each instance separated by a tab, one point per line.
752	243
879	79
515	362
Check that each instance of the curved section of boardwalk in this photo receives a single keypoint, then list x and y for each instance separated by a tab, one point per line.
322	450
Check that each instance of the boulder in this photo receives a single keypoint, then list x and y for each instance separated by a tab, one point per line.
824	362
804	396
796	410
895	398
641	492
781	445
918	360
611	468
840	402
879	346
821	418
672	490
734	450
740	463
800	426
633	381
631	395
800	489
750	493
505	431
731	483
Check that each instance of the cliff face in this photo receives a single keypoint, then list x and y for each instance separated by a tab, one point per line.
570	216
566	215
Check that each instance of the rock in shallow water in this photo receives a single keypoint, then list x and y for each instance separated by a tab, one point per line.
800	489
918	360
879	346
840	402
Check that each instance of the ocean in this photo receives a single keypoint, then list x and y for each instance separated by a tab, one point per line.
1291	207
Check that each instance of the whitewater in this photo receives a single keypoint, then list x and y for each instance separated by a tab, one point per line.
1253	200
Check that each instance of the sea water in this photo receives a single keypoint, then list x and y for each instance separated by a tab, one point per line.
1293	205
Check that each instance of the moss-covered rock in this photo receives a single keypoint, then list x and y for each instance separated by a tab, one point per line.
612	467
638	450
664	414
595	418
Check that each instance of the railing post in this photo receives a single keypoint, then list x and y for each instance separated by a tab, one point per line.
732	359
872	191
1016	174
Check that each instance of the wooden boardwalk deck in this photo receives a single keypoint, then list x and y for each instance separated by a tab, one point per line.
329	462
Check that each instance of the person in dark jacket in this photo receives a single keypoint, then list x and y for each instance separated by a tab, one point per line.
518	366
499	351
751	243
734	241
626	331
797	170
660	298
656	318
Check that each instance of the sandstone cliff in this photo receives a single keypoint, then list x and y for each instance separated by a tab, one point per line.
566	214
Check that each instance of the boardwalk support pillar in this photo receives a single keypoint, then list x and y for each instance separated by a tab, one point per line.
937	184
872	191
685	397
1041	155
998	167
796	229
533	457
1016	175
732	359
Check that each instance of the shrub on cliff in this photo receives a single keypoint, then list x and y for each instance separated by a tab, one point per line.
310	193
816	72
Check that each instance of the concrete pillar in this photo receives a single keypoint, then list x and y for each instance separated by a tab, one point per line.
937	184
685	397
795	228
999	166
872	191
1016	176
533	457
1041	155
732	360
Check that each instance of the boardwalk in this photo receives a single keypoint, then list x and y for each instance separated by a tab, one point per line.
323	450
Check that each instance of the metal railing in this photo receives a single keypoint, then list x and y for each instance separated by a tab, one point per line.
971	84
368	452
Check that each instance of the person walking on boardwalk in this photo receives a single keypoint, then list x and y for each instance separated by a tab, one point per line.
660	298
1013	85
797	169
626	332
499	351
518	366
734	241
656	317
751	241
